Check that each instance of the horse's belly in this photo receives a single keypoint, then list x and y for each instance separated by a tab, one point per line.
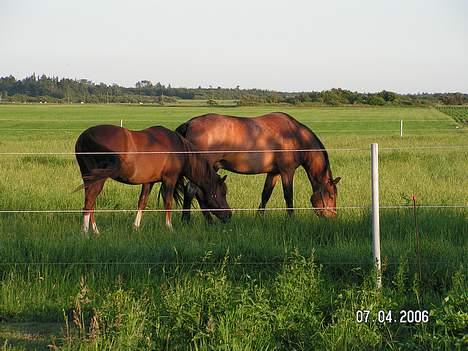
141	169
249	163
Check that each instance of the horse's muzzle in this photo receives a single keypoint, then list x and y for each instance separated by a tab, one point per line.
224	216
228	216
325	213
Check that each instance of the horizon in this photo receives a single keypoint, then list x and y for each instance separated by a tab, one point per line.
405	47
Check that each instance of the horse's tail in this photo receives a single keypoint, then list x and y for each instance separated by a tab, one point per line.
178	190
97	175
182	129
94	167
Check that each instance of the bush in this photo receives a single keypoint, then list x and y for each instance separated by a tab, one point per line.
376	100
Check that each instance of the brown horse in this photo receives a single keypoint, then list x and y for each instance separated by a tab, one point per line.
145	157
266	134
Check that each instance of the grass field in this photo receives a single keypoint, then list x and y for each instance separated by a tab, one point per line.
458	113
254	283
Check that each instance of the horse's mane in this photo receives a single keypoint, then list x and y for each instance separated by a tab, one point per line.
319	142
197	163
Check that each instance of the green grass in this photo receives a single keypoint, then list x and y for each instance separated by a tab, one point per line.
160	278
29	335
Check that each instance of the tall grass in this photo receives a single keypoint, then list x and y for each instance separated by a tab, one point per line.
297	307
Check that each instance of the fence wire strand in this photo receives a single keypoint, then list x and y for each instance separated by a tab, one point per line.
200	263
388	207
170	118
69	153
317	131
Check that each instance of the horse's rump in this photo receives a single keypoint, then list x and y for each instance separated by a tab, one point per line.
100	163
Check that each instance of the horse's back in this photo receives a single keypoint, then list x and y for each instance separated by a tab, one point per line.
274	131
266	131
114	138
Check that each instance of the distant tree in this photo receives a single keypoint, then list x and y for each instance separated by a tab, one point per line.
37	88
388	96
454	99
146	84
376	100
273	98
331	98
249	100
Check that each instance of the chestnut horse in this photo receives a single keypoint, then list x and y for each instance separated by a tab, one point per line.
145	157
267	134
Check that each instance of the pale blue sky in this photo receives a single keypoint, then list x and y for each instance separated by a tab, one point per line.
369	45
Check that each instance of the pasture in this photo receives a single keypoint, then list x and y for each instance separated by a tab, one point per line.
269	282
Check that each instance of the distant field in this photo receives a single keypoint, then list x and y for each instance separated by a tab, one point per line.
189	287
458	113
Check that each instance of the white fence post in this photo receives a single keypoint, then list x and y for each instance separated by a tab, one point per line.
121	123
401	128
375	213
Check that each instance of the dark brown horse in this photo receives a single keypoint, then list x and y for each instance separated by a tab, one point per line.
274	131
145	157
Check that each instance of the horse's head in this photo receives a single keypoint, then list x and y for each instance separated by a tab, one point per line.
324	198
216	199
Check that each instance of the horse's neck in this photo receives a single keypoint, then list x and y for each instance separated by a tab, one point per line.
196	168
317	168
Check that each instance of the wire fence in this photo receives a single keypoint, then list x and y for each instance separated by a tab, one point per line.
458	148
367	261
437	147
388	207
452	123
70	153
318	131
171	118
202	263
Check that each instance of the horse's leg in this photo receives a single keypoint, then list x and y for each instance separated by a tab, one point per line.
287	180
142	201
189	194
91	193
270	183
93	223
168	195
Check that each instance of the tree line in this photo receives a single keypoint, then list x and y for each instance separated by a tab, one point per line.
52	89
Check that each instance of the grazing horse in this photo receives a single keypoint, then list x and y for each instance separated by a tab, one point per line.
145	157
235	142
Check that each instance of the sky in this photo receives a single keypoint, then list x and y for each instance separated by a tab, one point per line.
406	46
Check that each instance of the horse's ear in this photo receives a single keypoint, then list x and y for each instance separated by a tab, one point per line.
336	180
222	179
